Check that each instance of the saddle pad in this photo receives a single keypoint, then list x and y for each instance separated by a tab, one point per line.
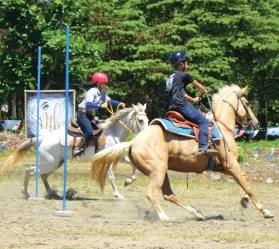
187	132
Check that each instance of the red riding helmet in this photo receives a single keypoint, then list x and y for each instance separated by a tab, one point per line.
99	78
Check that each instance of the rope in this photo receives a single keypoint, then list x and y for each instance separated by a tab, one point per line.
111	111
225	141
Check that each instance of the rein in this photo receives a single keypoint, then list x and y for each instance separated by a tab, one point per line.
224	124
239	98
111	111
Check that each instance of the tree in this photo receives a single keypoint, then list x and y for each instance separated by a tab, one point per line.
230	42
25	25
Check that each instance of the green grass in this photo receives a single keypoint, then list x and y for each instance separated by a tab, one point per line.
259	144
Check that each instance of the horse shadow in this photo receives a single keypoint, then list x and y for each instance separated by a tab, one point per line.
71	195
221	217
215	217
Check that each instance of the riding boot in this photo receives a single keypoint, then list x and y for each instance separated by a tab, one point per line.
80	148
207	152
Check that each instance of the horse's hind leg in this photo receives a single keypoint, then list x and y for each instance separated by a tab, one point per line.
154	192
170	196
28	173
111	178
131	179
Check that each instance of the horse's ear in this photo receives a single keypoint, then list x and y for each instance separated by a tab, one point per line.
144	107
135	108
243	90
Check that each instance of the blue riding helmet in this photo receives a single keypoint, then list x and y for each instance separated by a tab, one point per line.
177	57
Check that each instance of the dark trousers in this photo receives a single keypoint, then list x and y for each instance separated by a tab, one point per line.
84	121
191	113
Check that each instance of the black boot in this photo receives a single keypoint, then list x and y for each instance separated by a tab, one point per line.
80	148
207	152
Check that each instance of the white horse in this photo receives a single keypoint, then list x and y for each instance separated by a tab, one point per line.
51	149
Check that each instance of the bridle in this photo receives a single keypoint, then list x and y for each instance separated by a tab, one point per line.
135	121
239	100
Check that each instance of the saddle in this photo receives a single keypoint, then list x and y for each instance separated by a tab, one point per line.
75	131
179	121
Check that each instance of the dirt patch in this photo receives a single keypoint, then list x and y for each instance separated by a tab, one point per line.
100	221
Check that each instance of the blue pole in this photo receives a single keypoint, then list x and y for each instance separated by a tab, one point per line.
38	119
66	116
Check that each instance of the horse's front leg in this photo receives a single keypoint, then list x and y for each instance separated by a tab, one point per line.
111	178
234	170
51	194
245	198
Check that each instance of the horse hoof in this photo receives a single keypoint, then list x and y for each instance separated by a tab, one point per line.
128	181
52	195
70	195
199	216
267	214
164	217
244	202
118	195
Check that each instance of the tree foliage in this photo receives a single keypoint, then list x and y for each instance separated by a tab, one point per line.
230	42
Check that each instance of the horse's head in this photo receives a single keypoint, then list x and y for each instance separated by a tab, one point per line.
233	96
245	115
140	118
132	119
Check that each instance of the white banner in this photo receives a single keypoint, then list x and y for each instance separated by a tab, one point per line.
52	110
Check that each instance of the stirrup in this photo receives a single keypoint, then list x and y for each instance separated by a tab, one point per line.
80	148
78	151
207	152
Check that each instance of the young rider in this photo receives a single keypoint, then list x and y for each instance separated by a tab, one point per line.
95	99
180	101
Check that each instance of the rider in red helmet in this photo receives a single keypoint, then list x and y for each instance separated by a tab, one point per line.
95	99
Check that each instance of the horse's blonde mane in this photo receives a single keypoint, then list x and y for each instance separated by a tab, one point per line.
120	114
217	97
226	90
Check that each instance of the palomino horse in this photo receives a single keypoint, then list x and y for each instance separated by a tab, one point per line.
154	151
117	128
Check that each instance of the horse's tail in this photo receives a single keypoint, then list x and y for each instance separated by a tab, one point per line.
19	152
102	160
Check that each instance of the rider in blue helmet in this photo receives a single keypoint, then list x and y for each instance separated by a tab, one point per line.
180	101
